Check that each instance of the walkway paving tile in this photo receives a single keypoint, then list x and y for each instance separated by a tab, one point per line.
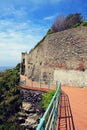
78	105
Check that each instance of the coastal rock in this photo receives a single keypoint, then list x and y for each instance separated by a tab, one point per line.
21	120
26	106
31	111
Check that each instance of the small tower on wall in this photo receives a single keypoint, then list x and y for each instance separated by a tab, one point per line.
22	66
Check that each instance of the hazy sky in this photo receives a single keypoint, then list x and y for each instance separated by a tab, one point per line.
24	22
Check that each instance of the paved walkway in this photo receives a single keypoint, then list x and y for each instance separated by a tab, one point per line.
75	109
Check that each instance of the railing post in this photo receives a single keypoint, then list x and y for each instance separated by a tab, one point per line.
40	83
49	84
31	83
25	82
56	84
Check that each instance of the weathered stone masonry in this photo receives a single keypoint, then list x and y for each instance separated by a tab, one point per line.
62	54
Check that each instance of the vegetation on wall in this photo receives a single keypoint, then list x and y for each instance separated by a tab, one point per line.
40	42
62	23
10	100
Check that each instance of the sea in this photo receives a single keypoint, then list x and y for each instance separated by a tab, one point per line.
3	68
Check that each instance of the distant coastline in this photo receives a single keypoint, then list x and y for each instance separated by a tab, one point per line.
3	68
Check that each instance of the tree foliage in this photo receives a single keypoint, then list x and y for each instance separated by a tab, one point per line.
63	23
59	24
9	98
73	19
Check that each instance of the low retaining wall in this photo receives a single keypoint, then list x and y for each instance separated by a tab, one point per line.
71	77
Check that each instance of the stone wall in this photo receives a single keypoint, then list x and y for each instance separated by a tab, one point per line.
65	50
71	77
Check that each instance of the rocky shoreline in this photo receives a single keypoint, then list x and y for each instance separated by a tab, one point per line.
31	109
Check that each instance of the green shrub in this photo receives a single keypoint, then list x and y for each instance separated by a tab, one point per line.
76	25
84	23
10	100
49	32
41	63
46	99
39	42
10	126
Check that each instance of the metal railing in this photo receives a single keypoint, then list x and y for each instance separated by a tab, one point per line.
49	119
48	83
41	83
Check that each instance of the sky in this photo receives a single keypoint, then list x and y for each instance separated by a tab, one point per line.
23	23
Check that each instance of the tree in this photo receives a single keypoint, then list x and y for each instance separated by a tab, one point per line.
10	100
58	24
62	23
73	19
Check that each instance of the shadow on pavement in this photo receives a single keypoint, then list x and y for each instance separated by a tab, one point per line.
65	121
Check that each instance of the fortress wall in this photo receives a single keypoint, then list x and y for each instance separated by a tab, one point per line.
57	55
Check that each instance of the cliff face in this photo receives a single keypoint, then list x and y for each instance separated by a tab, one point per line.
65	50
